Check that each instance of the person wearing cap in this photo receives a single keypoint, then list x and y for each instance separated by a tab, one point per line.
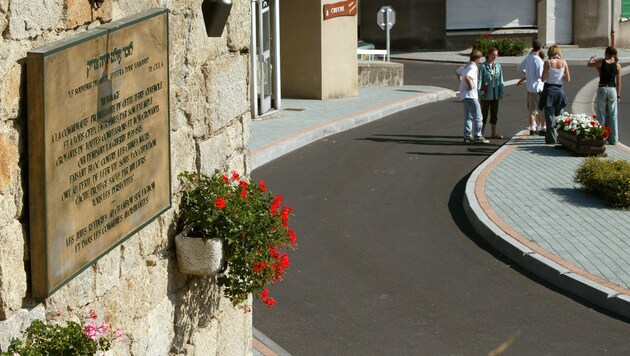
532	66
608	91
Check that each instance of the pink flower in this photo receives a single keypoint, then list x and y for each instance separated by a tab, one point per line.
103	327
119	333
235	176
91	331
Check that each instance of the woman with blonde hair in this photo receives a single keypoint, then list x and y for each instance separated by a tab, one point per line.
552	99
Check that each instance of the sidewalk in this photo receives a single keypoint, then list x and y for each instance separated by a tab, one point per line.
574	55
554	230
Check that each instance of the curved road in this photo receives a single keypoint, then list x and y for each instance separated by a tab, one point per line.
387	262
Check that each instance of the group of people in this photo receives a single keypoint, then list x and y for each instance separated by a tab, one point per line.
481	88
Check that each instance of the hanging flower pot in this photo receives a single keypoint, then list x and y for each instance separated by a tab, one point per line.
199	256
252	223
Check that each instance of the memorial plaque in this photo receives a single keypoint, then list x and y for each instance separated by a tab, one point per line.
98	143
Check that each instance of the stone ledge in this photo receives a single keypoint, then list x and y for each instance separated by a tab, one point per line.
380	74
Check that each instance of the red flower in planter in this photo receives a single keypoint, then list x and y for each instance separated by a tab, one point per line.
220	203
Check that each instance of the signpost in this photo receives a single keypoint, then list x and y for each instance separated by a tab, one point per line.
386	19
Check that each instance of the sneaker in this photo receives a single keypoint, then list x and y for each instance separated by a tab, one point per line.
480	139
468	140
532	132
542	132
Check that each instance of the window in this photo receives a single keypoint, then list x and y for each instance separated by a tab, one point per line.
625	8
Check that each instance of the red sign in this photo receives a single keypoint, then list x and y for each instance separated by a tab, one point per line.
342	8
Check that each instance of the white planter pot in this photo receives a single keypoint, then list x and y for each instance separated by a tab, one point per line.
198	256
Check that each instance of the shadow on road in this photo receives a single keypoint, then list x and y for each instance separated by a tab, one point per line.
429	140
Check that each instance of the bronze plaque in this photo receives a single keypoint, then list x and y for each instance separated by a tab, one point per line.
342	8
98	143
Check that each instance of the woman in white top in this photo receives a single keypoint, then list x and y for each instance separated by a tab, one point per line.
552	98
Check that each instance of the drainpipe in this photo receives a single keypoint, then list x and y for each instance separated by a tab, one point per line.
612	23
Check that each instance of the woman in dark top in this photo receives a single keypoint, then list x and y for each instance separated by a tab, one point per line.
609	91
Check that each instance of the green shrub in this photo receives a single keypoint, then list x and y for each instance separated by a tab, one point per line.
606	178
507	46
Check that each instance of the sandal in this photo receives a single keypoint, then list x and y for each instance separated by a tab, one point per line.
497	137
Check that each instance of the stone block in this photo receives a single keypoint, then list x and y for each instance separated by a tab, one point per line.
182	153
205	339
235	331
29	19
4	22
380	74
224	149
9	169
10	89
197	306
227	89
76	294
124	8
138	292
18	322
81	12
12	272
129	255
239	26
152	334
107	271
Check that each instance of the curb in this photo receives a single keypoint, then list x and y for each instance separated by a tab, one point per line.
302	138
543	264
265	346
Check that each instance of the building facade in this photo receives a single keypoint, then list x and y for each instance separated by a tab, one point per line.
453	24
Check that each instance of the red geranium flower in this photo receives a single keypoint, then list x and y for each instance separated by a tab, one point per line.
292	238
220	203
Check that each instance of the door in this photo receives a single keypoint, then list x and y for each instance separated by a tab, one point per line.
264	56
482	14
559	22
265	87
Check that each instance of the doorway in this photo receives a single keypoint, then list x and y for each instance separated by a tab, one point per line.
265	86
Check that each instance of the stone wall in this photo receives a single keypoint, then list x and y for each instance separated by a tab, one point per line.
137	285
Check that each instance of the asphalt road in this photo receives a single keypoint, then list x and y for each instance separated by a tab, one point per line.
388	263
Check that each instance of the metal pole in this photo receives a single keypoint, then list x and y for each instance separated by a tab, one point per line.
253	54
276	55
612	23
387	31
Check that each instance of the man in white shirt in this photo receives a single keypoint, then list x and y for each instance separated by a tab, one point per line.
468	75
532	66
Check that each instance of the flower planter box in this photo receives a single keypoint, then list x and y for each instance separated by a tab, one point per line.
199	256
581	145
